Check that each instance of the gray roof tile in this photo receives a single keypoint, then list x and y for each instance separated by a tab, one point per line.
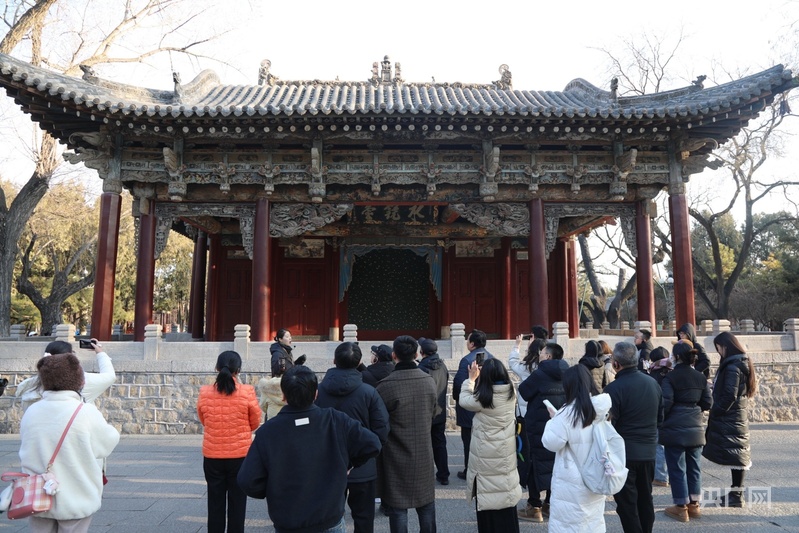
207	96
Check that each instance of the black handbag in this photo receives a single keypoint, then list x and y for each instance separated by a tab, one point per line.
523	455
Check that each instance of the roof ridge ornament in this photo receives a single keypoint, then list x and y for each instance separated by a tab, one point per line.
88	74
505	82
264	76
178	93
383	76
698	82
614	90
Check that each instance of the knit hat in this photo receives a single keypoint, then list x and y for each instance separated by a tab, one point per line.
383	352
428	346
60	372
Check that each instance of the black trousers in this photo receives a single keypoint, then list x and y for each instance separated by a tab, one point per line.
439	437
361	499
634	501
224	493
466	437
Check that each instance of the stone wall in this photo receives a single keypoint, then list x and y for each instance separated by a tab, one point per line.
164	402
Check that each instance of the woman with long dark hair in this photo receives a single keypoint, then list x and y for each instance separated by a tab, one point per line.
728	424
686	394
492	479
229	413
569	434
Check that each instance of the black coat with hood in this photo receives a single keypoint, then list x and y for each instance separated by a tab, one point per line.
545	383
433	365
686	394
282	359
344	390
702	360
728	425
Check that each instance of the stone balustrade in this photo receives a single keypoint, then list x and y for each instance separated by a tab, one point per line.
158	381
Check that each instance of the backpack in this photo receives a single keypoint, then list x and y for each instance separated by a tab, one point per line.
604	470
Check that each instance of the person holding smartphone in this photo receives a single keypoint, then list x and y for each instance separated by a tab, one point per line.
95	383
475	343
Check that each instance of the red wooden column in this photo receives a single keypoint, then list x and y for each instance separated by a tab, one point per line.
643	265
260	272
145	273
681	260
556	276
507	283
212	287
572	301
539	291
197	297
106	266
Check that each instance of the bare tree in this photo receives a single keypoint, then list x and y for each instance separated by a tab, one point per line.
106	39
743	158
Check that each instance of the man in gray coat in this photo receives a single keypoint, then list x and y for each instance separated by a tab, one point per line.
405	473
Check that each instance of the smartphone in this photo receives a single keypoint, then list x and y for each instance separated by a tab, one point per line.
86	345
479	357
527	336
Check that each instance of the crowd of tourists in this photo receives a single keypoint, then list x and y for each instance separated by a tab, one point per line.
376	433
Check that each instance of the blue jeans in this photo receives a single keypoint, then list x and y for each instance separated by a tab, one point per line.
685	474
341	527
398	518
660	464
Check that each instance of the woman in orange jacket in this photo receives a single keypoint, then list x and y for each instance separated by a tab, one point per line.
229	412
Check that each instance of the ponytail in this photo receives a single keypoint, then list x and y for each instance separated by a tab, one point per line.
227	364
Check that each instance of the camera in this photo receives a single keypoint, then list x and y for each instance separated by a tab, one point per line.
86	345
479	357
527	336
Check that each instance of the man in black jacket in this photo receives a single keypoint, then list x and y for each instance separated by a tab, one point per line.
433	365
636	412
343	389
644	346
299	458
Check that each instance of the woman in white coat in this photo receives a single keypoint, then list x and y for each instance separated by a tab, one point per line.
492	478
89	440
574	508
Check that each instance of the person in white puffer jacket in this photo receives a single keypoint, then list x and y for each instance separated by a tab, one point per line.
90	439
573	507
29	391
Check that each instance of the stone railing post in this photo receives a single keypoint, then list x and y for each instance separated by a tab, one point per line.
673	325
65	332
560	334
17	331
116	332
747	325
706	327
350	333
643	324
241	340
152	341
720	325
792	329
605	325
89	331
457	336
624	325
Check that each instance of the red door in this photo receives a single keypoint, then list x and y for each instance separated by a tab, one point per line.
476	295
300	301
235	296
520	291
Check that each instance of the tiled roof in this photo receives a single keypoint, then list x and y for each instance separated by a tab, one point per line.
206	96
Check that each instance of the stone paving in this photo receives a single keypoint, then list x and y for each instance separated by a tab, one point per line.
156	485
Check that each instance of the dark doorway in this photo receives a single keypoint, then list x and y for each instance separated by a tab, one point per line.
390	295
